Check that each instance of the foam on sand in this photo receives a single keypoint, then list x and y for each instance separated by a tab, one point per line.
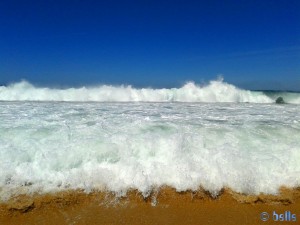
51	146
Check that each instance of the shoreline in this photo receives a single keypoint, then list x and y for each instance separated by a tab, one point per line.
165	206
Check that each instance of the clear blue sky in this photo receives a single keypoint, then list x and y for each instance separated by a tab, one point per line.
254	44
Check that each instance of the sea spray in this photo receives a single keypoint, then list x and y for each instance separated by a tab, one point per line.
52	146
214	91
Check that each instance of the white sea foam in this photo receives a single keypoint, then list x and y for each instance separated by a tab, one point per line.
47	146
215	91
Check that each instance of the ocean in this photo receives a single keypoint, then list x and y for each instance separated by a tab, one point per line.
118	138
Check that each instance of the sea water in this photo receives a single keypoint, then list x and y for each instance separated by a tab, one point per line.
121	138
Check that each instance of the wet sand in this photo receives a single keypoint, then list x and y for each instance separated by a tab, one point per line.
164	206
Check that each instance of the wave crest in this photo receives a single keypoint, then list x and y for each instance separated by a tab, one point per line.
215	91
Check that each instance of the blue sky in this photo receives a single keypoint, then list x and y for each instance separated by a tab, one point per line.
254	44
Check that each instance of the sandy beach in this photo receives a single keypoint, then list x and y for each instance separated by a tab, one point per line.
164	206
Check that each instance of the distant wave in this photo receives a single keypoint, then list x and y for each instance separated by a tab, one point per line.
215	91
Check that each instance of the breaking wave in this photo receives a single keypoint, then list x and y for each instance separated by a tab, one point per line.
49	146
215	91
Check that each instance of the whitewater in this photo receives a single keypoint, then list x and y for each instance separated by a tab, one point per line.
214	91
211	136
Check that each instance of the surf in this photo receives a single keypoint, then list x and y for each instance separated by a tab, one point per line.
54	146
214	91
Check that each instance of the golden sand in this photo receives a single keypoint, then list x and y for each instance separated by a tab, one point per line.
165	206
